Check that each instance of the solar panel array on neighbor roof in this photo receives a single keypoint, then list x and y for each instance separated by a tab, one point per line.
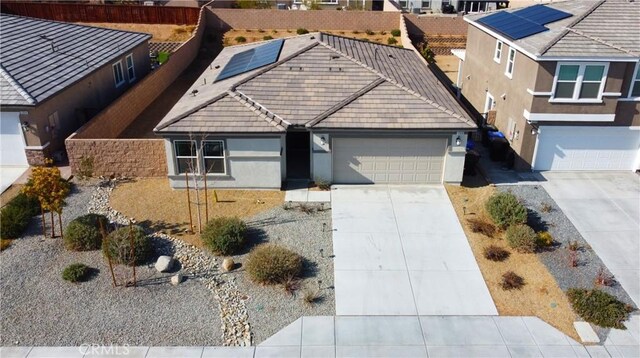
523	23
251	59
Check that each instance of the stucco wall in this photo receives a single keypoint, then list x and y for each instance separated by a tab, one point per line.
321	158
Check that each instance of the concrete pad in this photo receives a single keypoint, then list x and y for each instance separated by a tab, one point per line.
613	352
356	217
116	352
597	215
544	334
468	351
629	351
525	351
8	175
514	331
597	352
296	195
319	196
451	293
170	352
55	352
228	352
630	206
318	352
416	218
14	352
373	293
290	335
557	351
442	252
418	194
580	352
368	251
625	337
460	331
630	281
611	245
586	332
360	193
378	331
318	331
277	352
381	352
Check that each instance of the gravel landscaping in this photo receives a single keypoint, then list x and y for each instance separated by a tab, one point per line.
271	308
39	308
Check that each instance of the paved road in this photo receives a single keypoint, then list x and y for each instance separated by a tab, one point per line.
400	250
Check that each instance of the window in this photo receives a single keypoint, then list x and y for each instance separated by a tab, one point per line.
118	75
510	62
213	154
576	81
131	71
498	53
635	83
489	103
426	4
186	156
403	4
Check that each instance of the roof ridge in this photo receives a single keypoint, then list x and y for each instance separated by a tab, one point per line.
262	111
599	40
336	107
191	111
565	31
23	92
323	34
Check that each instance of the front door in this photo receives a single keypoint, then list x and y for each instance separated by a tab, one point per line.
298	155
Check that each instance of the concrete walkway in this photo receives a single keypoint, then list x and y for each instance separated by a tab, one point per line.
605	208
400	250
370	337
8	175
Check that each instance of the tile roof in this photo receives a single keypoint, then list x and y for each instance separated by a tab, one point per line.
321	78
41	57
598	28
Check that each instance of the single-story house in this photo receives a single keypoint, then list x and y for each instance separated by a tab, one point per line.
316	107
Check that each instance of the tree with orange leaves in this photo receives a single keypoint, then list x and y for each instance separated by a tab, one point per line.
48	187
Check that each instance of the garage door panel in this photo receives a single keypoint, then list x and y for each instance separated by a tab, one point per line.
388	160
12	141
587	148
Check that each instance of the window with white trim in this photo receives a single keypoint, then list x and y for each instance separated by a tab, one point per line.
580	81
131	71
213	155
426	4
118	75
634	91
186	156
510	62
497	55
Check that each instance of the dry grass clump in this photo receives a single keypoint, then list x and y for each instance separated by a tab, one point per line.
495	253
272	264
512	281
482	226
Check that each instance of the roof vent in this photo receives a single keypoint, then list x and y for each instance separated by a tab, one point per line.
194	92
312	37
46	38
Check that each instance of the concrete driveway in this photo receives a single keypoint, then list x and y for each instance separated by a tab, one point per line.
605	208
400	250
8	175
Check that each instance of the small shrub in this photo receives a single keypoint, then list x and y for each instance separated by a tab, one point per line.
392	41
85	168
544	239
603	278
274	31
240	39
505	210
383	32
267	38
82	237
395	32
495	253
522	238
369	32
291	285
355	32
311	297
322	184
76	273
511	281
118	246
573	258
273	264
4	244
483	227
573	246
249	30
30	204
302	31
261	31
546	208
306	208
14	220
599	307
225	235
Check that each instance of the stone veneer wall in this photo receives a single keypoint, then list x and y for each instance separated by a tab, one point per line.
36	156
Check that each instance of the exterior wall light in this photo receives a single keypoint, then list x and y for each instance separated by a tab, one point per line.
323	140
458	141
25	126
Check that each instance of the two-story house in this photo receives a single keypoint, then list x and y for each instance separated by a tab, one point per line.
561	81
54	77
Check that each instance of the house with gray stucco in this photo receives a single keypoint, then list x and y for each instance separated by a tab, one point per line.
316	107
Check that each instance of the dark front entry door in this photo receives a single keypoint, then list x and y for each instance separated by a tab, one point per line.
298	155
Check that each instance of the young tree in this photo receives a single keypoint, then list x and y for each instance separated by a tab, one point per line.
48	187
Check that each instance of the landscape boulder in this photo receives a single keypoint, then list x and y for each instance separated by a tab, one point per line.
164	263
227	264
176	279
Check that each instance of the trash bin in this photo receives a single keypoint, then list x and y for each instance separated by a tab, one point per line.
470	160
498	148
486	129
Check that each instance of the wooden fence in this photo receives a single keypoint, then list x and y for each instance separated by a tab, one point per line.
104	13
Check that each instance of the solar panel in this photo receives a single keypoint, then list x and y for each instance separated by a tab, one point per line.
512	26
251	59
541	14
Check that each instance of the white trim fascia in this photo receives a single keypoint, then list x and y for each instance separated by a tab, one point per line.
535	148
611	94
569	117
534	93
495	51
633	80
631	99
526	114
37	147
576	101
549	58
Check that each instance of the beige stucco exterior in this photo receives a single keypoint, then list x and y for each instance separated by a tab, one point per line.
528	91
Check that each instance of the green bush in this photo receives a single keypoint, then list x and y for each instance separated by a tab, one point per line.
224	236
599	307
505	210
544	239
76	273
15	217
241	39
31	205
522	238
267	38
392	41
395	32
302	31
273	264
83	233
118	246
369	32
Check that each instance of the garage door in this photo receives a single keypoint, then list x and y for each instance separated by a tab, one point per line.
388	160
11	140
587	148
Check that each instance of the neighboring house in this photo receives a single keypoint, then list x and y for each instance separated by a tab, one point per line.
316	107
561	81
465	6
55	76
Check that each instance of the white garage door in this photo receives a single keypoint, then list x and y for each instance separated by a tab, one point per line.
587	148
388	160
11	140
